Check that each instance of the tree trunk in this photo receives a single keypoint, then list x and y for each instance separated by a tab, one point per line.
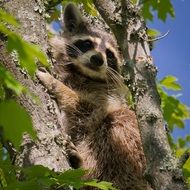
163	171
49	149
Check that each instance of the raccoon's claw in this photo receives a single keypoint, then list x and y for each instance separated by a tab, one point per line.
73	156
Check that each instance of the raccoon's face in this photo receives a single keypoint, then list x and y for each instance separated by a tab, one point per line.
94	56
92	52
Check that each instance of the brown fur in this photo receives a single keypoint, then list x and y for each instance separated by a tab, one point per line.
103	129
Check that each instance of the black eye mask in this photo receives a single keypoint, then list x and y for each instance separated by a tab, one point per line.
84	45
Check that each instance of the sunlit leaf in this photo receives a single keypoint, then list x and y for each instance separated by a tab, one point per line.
15	122
89	8
10	82
27	53
174	111
101	185
152	32
6	17
186	170
170	82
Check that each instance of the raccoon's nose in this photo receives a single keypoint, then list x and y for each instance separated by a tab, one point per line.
97	60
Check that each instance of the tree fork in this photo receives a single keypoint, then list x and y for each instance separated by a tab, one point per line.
163	171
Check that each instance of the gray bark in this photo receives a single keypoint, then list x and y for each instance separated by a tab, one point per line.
163	171
49	149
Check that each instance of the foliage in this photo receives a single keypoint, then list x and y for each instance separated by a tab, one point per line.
55	14
39	177
19	123
8	81
175	112
27	53
162	7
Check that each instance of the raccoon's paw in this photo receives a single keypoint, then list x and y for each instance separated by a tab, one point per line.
46	79
74	158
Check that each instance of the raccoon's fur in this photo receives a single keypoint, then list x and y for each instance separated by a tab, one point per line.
92	95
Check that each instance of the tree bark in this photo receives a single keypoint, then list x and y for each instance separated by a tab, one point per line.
49	149
163	171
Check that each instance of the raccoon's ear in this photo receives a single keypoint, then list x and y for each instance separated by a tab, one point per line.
72	18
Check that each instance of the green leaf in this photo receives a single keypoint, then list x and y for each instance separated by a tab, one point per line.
6	166
72	178
163	8
37	171
27	53
186	169
187	138
174	111
89	7
152	32
146	11
23	185
3	181
169	82
101	185
2	91
6	17
181	142
10	82
15	121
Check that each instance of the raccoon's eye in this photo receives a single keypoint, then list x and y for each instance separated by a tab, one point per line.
110	54
84	45
111	60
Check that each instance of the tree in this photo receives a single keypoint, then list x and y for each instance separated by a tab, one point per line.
163	171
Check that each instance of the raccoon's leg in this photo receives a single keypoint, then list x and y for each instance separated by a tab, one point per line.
66	97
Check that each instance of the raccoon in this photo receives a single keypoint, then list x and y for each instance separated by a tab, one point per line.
90	91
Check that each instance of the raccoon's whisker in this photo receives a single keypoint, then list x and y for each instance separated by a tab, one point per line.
67	63
116	77
112	78
70	46
113	70
116	74
73	51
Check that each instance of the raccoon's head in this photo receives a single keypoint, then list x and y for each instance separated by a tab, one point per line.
93	52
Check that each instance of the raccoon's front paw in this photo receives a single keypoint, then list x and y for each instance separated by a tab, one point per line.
45	78
74	158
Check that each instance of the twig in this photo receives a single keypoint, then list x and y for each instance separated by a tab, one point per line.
158	38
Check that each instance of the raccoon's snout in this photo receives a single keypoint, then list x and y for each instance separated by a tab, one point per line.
97	60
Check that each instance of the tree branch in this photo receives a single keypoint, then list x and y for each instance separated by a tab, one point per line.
161	163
